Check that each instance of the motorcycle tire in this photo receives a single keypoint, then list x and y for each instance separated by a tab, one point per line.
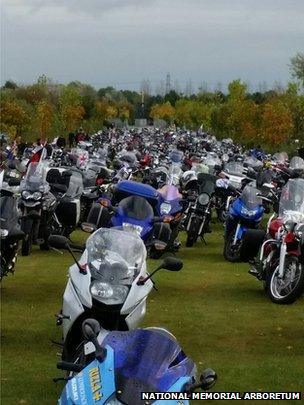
27	245
192	234
275	286
231	253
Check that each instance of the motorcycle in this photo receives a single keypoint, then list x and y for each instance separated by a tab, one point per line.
10	232
118	367
245	213
200	210
281	258
109	283
38	206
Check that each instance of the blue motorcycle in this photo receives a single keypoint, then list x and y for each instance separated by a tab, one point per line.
123	367
134	206
245	213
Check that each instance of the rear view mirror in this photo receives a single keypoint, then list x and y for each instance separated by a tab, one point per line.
172	264
90	328
208	378
59	242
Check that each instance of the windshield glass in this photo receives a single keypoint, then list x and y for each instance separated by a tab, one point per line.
75	188
35	178
169	193
136	207
234	168
296	163
146	360
82	157
128	157
250	197
292	200
206	183
280	157
176	156
115	256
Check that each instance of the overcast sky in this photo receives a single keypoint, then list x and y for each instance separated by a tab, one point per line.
120	42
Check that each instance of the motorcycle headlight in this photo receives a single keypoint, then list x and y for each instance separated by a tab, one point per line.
247	212
109	294
203	199
37	195
3	233
165	208
132	227
26	194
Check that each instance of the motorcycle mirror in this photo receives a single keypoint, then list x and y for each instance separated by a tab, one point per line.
208	378
172	264
90	329
58	242
88	227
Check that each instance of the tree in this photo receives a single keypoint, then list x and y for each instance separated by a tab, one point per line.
15	117
44	117
163	111
297	67
276	123
9	84
71	110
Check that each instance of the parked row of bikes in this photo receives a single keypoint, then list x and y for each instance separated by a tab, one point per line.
135	193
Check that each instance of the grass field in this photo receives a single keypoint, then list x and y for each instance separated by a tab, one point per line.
220	315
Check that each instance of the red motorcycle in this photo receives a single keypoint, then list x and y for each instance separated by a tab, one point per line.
281	259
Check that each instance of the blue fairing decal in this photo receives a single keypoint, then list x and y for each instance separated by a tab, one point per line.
93	385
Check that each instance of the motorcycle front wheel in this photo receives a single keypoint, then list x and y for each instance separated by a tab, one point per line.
232	252
192	234
27	244
290	287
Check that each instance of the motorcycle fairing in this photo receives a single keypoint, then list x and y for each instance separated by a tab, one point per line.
239	209
95	384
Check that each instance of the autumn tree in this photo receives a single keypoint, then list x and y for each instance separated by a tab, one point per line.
71	110
163	111
276	123
14	117
44	117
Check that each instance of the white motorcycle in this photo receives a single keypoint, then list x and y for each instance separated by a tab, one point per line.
109	283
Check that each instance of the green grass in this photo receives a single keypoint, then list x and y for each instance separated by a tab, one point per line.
220	315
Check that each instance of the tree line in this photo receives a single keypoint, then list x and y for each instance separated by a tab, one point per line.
46	109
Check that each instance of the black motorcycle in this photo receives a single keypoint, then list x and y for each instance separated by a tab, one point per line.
199	214
10	232
38	206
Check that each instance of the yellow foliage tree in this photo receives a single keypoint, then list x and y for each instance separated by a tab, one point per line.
14	118
163	111
276	122
44	117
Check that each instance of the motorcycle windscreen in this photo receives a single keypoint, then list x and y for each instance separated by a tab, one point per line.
292	201
234	168
170	193
136	207
250	197
146	360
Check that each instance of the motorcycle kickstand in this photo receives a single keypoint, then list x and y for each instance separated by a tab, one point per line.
204	240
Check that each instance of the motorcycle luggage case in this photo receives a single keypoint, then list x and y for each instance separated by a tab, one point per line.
68	212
